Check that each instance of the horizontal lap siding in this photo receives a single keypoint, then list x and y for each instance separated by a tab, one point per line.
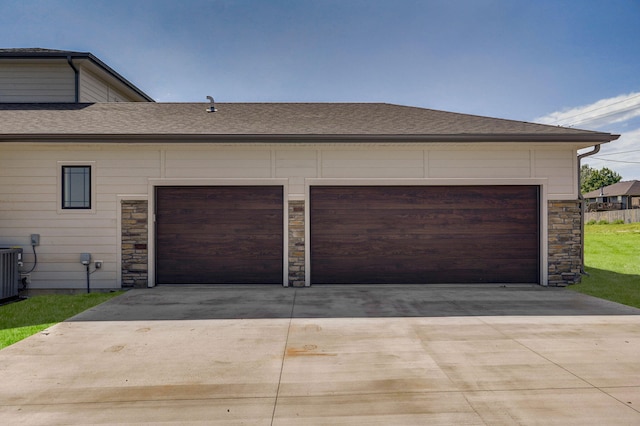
424	234
92	89
562	170
219	235
37	83
29	181
95	89
217	163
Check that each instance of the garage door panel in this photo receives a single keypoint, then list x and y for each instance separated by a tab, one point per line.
223	217
424	234
413	247
436	197
248	230
339	229
365	228
363	271
340	221
211	216
446	215
219	234
226	272
211	248
222	239
224	197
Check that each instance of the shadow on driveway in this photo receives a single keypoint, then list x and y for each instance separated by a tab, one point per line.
195	302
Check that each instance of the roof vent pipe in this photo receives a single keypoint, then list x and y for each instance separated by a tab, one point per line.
212	107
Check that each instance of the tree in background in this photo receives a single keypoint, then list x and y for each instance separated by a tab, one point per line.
592	179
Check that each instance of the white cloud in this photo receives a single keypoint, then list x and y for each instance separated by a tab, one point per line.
621	156
616	115
598	114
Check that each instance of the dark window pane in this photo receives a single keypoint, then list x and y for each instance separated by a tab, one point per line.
76	187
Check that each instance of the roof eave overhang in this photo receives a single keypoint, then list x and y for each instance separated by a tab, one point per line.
586	139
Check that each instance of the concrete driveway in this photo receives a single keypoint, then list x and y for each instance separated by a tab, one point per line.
331	355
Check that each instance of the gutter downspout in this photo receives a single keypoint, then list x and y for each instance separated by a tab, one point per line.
595	150
77	78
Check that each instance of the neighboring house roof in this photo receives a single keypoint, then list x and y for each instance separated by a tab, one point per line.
631	187
366	122
40	53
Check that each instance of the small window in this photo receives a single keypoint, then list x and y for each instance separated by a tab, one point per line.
76	187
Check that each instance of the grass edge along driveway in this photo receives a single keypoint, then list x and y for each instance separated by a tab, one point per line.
21	319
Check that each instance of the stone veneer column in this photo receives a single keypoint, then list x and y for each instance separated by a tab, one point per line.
565	245
134	243
296	243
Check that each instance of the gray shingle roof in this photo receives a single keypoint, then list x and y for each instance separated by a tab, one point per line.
295	121
630	187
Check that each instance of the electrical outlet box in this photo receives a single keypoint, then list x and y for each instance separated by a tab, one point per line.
35	239
98	264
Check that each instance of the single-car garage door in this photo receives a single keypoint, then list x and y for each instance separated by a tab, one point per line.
424	234
219	234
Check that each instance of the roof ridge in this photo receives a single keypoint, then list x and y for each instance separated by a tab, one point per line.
41	50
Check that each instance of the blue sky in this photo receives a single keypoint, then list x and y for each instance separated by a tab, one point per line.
566	62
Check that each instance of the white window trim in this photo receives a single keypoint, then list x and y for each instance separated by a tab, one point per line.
94	200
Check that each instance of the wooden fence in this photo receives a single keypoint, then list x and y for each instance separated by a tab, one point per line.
628	216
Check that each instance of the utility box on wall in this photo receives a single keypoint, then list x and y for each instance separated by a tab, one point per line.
9	272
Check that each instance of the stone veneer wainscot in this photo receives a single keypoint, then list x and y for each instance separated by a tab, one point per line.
134	243
296	244
565	243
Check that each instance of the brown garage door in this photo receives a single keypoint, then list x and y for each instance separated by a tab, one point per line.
424	234
219	234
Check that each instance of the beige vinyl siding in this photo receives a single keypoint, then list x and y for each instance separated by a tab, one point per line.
29	185
94	89
296	166
479	164
560	166
37	83
363	163
29	204
218	163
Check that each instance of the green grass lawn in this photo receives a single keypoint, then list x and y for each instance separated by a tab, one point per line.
19	320
612	260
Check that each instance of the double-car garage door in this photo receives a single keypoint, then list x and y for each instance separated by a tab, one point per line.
425	234
358	234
